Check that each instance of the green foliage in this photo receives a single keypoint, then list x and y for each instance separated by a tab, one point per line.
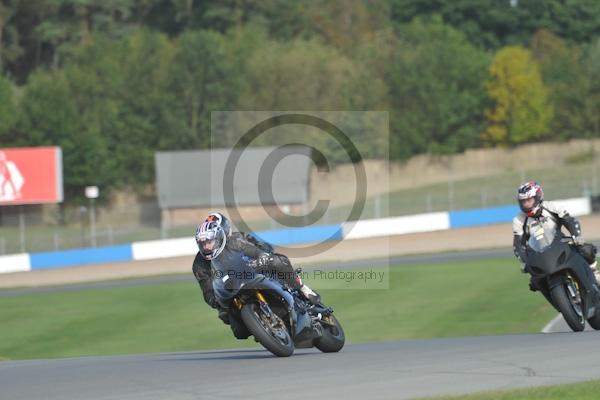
116	80
564	74
592	99
202	78
580	391
54	113
143	104
436	90
494	23
307	75
521	112
8	111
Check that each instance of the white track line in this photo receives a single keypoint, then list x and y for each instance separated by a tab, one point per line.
550	326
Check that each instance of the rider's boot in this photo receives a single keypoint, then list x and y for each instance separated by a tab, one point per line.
594	268
310	295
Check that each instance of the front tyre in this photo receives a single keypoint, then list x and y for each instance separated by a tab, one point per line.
565	297
333	338
273	335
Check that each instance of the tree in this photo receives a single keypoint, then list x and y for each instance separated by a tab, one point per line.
591	67
495	23
307	75
437	95
202	78
522	110
563	73
146	121
9	48
8	112
51	116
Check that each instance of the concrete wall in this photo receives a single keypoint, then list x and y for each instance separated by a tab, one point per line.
425	169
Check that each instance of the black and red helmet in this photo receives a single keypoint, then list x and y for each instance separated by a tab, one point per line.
530	190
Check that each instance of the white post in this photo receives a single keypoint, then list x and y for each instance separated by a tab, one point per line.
594	177
92	193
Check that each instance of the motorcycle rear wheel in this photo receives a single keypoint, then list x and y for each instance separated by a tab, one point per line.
333	338
595	321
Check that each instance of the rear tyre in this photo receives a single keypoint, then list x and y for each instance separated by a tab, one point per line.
566	304
277	340
595	321
333	338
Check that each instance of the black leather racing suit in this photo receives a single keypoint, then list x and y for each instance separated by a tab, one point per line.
280	267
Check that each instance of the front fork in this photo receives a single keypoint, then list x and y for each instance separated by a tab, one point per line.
262	302
264	306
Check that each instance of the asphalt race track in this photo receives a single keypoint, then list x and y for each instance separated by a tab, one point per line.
393	370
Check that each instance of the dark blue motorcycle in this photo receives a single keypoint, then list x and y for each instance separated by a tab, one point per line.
277	316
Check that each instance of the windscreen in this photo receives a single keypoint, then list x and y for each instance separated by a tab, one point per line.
540	237
231	270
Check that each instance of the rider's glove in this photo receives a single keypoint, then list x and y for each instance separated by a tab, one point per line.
578	240
264	260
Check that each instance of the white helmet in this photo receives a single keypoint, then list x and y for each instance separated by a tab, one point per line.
211	235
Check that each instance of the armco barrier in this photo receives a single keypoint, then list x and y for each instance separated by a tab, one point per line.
497	215
396	225
15	263
153	249
577	207
484	216
58	259
186	246
281	237
350	230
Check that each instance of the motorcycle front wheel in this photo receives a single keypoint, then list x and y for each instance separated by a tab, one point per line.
566	297
271	332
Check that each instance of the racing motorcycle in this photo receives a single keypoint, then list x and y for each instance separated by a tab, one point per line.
563	276
277	316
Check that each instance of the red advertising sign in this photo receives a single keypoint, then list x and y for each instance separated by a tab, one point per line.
31	175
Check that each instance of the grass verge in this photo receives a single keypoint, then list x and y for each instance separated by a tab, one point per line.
580	391
486	297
